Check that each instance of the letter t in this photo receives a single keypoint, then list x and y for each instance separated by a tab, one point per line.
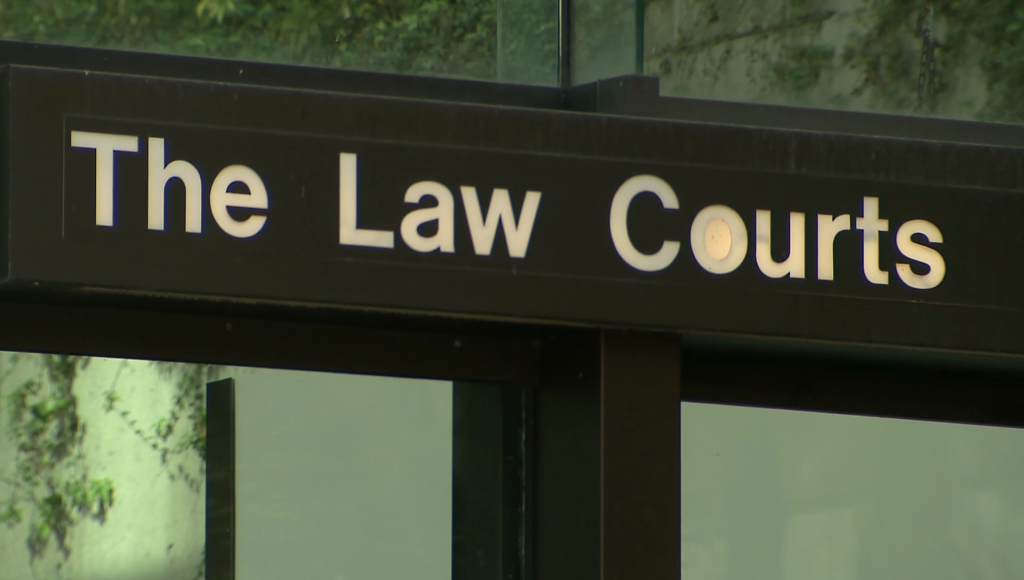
871	225
105	145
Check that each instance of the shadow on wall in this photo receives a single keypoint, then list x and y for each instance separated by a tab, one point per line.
101	468
147	573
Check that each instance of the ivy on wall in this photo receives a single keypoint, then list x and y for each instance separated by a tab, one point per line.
51	488
802	65
995	30
51	479
181	432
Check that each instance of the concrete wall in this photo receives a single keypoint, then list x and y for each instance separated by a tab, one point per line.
155	530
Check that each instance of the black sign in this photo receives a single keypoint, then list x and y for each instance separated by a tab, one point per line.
144	185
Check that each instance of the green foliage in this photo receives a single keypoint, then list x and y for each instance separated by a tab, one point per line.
12	514
51	487
802	65
51	476
999	25
899	69
987	34
183	430
528	42
604	38
440	37
888	56
186	419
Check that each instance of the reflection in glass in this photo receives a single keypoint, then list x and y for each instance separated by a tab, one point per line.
605	39
528	42
947	59
770	494
455	38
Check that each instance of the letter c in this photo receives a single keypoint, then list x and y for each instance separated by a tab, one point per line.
631	188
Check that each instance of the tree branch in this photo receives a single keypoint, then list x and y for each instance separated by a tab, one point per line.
686	46
31	497
11	482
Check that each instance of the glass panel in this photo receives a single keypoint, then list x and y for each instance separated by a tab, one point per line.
438	37
528	42
105	472
946	59
606	40
770	494
342	476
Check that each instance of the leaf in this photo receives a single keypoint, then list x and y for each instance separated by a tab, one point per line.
11	516
102	490
42	532
110	399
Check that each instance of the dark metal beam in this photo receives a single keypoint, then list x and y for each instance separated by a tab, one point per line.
640	456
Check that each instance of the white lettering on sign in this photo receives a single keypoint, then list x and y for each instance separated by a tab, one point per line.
221	199
483	231
633	187
828	229
105	145
793	266
923	254
160	174
349	233
871	224
718	240
443	213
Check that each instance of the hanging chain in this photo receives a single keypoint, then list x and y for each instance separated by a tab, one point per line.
926	79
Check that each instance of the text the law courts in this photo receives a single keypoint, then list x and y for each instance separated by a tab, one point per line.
718	239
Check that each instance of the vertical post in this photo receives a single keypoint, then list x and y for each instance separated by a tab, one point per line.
564	43
607	501
488	481
640	456
640	32
499	42
220	480
567	432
